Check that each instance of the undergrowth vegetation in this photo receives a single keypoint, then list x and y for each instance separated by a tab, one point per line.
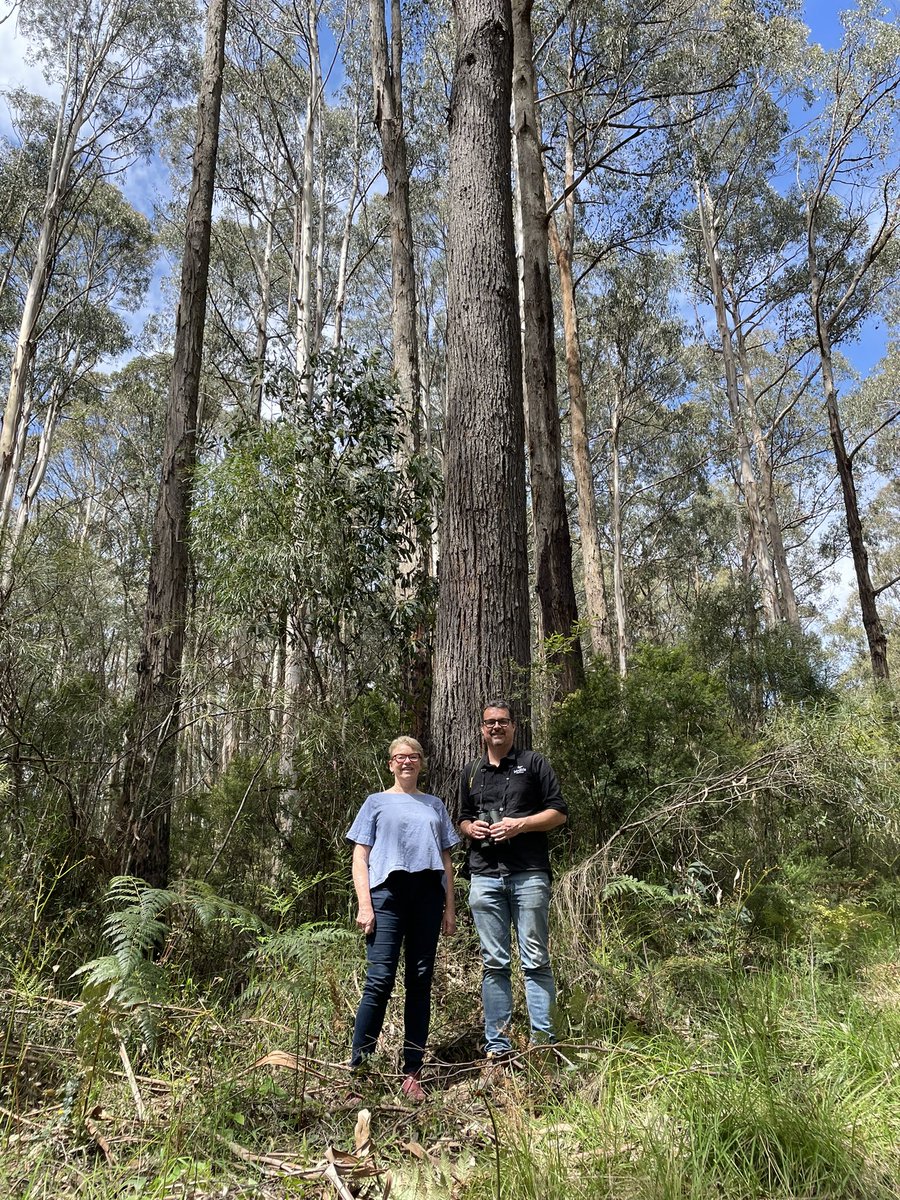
728	961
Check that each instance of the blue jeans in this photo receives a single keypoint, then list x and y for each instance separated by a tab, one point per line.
498	903
409	907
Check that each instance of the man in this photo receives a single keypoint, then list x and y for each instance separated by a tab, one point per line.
508	801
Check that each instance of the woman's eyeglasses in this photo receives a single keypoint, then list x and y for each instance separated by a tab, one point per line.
400	758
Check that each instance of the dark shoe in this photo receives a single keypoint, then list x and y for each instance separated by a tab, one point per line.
411	1088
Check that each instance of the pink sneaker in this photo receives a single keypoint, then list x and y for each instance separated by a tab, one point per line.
412	1089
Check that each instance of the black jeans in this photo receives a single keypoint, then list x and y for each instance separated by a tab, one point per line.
408	908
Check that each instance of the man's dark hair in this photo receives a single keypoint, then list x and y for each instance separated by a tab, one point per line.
498	702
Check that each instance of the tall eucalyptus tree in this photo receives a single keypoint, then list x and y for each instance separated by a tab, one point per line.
102	271
849	190
150	775
114	65
554	584
387	83
482	642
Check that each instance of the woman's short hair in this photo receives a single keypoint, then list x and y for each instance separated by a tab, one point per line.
413	745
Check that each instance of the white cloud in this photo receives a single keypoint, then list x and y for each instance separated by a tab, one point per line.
18	68
18	71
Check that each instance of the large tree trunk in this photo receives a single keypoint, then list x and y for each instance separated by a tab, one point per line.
482	644
150	773
552	543
387	84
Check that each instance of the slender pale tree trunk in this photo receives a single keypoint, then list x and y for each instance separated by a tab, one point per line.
483	640
264	277
69	123
150	769
320	243
615	521
749	487
789	609
414	567
588	525
340	291
306	344
552	543
7	497
303	266
35	481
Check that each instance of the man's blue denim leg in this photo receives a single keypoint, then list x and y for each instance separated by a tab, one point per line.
529	899
489	903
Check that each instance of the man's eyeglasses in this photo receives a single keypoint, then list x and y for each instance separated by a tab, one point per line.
405	758
501	721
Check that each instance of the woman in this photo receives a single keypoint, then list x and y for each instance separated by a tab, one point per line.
404	884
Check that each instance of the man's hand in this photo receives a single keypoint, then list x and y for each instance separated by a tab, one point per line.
506	828
448	924
365	919
479	830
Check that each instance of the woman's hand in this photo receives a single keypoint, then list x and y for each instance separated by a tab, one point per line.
448	923
365	919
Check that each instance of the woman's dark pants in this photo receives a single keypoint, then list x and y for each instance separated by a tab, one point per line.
409	907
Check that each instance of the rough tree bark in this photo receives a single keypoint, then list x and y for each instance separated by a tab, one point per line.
555	587
482	642
150	768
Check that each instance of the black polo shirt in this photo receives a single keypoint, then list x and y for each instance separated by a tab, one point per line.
522	784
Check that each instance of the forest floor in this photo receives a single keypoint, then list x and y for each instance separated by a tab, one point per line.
706	1059
702	1073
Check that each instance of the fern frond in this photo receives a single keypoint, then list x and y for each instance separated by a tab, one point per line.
300	944
628	885
208	906
100	971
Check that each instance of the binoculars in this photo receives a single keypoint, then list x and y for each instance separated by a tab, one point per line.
492	816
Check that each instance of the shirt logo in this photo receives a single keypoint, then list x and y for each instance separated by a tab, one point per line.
519	770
